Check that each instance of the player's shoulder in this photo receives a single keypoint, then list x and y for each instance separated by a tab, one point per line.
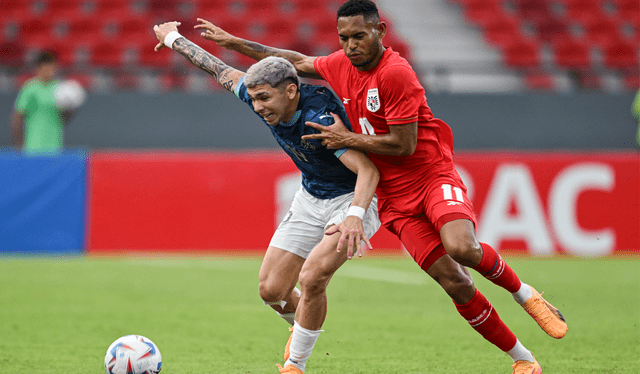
317	96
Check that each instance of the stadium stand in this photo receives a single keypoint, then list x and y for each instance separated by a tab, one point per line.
535	42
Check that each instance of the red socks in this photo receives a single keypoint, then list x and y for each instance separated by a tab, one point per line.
496	270
484	319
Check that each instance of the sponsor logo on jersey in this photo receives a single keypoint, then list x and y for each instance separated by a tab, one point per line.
345	100
373	100
454	203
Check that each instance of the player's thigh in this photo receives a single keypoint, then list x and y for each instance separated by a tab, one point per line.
420	239
280	269
323	261
446	200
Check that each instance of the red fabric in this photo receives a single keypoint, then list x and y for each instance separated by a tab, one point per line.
485	320
418	217
495	269
400	99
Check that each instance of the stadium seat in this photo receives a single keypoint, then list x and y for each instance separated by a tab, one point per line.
622	56
481	12
535	11
36	31
571	54
539	81
632	80
602	31
107	54
522	54
500	31
628	10
581	10
551	29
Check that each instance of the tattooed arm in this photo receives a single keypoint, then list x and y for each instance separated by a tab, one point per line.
302	63
224	74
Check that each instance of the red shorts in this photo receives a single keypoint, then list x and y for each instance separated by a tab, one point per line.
416	218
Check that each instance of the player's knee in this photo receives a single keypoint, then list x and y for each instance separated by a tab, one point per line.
271	292
464	251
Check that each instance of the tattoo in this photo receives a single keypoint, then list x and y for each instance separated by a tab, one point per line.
262	51
227	85
203	59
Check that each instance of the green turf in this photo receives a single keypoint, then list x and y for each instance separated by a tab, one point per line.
59	315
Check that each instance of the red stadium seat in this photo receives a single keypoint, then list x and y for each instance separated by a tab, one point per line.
628	10
106	54
501	31
538	81
481	12
551	29
581	10
572	54
36	31
632	80
602	31
522	54
622	56
535	11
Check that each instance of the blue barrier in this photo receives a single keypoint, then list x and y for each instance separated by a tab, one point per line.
42	203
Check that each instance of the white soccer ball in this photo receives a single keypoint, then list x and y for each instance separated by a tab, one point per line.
133	354
69	94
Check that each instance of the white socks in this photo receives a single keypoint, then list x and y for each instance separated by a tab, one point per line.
301	346
523	294
520	353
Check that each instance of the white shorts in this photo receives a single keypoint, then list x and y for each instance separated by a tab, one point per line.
306	221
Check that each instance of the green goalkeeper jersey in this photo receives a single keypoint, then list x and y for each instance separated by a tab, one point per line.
43	125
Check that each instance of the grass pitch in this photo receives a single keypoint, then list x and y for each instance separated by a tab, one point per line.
59	315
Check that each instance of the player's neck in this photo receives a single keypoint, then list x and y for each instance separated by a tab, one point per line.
293	106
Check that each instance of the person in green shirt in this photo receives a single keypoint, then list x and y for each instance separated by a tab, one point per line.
635	110
36	122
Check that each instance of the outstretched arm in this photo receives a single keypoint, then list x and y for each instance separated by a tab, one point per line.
401	140
224	74
17	128
302	63
352	229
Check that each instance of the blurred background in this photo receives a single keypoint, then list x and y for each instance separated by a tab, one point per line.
533	90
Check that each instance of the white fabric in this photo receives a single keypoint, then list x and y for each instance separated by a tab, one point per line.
304	224
302	344
523	294
170	38
520	353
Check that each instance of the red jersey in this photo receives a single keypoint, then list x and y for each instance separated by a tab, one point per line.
388	95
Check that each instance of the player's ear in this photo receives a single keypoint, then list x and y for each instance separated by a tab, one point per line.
382	29
291	91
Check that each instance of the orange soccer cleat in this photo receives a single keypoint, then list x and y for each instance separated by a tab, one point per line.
526	367
546	315
293	370
287	352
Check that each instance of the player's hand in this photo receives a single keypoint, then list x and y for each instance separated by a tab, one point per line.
351	231
214	33
162	31
335	136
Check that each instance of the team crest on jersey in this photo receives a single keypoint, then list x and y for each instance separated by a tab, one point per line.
373	100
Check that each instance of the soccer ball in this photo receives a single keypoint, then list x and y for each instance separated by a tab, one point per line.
69	94
133	354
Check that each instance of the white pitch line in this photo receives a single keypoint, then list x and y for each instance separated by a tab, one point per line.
381	274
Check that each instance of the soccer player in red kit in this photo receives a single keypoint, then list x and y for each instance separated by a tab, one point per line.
421	197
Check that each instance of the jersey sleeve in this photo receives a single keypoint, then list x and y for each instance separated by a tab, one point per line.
24	99
329	66
402	95
241	92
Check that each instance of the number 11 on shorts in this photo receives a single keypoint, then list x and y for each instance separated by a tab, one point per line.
448	193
